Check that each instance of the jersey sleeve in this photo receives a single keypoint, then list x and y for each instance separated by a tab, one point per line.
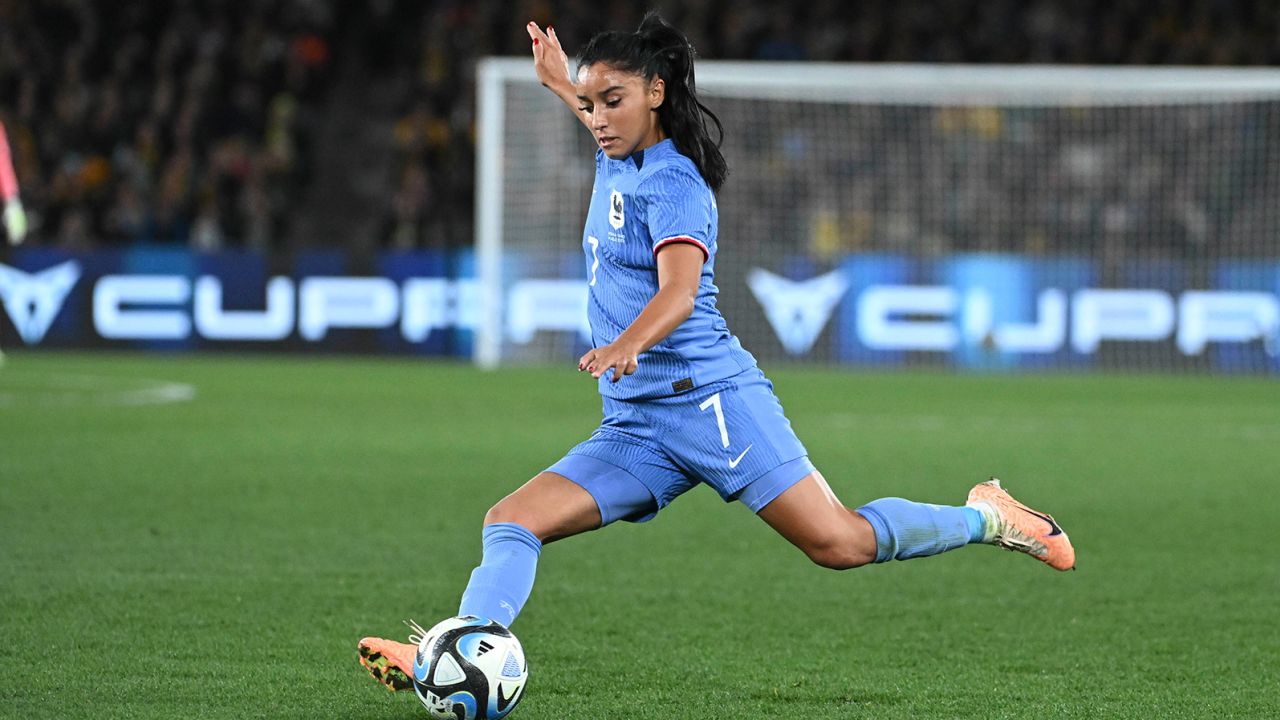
677	209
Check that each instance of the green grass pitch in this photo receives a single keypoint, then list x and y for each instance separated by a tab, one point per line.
219	557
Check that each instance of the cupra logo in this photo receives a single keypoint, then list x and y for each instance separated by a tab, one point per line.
33	300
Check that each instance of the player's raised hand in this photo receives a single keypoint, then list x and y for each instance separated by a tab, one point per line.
549	59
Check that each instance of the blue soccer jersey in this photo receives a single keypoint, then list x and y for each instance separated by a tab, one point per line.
638	205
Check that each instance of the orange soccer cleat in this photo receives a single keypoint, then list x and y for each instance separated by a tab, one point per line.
389	662
1014	526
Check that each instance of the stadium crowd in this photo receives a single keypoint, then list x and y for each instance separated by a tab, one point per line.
161	121
191	121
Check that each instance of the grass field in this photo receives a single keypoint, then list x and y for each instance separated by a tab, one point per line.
218	557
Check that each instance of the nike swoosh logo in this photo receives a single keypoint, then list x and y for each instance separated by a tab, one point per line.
734	462
503	702
1055	529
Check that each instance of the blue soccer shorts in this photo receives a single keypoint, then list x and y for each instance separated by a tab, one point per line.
731	434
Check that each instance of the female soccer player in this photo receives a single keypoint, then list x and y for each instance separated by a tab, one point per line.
684	403
15	218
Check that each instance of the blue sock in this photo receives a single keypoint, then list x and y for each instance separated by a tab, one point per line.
906	529
501	585
977	524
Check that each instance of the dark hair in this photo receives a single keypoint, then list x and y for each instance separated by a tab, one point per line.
657	48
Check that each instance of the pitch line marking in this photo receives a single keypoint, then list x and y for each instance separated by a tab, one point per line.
71	390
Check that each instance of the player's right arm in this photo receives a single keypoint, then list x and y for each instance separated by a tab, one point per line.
552	66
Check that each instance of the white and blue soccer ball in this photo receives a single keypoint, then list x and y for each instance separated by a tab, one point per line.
469	668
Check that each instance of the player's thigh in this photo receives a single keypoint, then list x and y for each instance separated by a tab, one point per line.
611	476
550	506
731	434
810	516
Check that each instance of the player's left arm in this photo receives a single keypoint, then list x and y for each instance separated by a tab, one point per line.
679	272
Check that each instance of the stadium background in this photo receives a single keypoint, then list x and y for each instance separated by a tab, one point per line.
318	139
206	534
297	123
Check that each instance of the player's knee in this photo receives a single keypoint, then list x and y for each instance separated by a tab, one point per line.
510	511
505	511
839	553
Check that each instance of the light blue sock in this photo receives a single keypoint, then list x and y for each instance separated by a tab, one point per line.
501	585
906	529
977	524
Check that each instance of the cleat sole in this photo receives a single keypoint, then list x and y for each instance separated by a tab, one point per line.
388	675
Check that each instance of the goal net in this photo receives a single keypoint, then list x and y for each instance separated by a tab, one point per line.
972	217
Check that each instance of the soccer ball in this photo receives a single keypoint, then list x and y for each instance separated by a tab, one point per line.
469	668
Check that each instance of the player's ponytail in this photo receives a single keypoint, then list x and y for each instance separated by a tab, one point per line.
659	49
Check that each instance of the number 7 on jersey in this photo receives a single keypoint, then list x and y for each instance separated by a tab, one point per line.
595	258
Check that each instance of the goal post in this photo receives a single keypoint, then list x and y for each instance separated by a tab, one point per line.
957	216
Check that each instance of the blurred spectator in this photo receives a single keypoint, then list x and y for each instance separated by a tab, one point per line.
161	121
184	120
430	200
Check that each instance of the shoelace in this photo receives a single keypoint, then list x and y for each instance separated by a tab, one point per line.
418	633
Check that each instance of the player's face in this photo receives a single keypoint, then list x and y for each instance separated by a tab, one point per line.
623	108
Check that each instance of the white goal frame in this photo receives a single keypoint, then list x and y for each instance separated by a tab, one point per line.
896	84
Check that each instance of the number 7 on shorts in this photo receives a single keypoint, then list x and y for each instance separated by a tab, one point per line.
714	402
